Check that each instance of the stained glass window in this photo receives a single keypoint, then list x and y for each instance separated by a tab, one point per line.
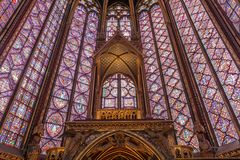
125	27
7	8
220	64
128	93
232	10
161	68
112	27
218	53
82	88
69	97
22	105
18	52
154	81
26	58
119	92
118	19
110	92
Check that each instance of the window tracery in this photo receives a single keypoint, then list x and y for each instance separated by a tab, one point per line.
15	67
70	94
220	64
118	19
119	88
82	89
153	77
161	66
59	103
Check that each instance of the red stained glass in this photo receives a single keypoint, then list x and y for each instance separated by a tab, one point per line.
112	26
156	44
128	93
82	89
19	51
110	93
218	53
125	27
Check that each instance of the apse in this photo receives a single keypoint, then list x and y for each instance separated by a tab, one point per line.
67	66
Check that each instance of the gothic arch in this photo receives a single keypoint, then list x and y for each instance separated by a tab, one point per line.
120	144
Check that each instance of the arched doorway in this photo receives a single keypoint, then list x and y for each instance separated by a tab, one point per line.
119	145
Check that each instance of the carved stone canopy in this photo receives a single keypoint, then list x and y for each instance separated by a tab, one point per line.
118	55
100	140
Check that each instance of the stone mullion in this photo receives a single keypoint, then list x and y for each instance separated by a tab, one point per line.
34	110
53	66
188	79
225	28
133	18
92	98
139	90
214	74
118	26
160	67
119	91
148	113
185	80
13	27
98	90
147	108
104	19
71	100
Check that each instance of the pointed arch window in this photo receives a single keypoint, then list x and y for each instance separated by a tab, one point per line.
70	93
166	92
118	92
24	67
215	71
118	18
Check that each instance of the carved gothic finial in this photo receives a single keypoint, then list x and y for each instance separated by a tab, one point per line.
38	130
161	139
76	141
204	144
34	150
